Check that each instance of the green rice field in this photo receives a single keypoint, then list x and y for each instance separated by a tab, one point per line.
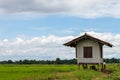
56	72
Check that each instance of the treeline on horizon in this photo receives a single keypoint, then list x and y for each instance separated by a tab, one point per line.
57	61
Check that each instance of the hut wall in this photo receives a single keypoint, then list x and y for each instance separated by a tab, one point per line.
96	58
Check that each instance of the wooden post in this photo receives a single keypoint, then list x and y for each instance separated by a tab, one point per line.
102	66
83	66
78	66
99	67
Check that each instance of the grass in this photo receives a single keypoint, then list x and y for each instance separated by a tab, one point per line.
55	72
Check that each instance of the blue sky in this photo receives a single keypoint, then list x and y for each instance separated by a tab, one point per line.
56	25
36	29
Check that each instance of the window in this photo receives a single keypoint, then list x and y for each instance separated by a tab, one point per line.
87	52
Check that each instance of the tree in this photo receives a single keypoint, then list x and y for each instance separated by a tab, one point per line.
9	61
57	61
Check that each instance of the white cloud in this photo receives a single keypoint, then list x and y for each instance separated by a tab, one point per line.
81	8
45	47
5	40
50	47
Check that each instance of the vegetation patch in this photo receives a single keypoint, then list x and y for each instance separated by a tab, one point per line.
56	72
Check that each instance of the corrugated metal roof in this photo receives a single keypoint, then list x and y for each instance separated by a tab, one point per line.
73	42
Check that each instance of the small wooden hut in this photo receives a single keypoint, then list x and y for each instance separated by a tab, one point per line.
89	50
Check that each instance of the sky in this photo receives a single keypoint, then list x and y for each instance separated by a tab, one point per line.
37	29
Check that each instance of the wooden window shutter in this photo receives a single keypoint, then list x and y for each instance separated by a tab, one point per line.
101	52
87	52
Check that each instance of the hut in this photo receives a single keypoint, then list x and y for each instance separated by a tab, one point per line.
89	50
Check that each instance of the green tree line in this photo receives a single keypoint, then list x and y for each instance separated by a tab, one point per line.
57	61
